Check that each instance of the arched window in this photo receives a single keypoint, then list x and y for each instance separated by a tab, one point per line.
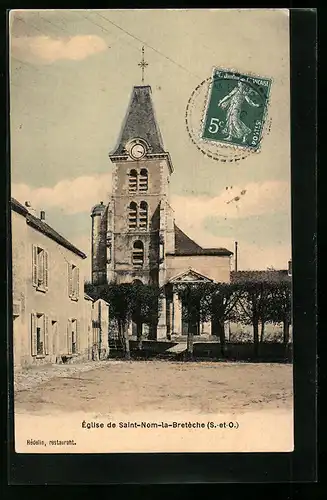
143	180
132	215
138	254
137	282
143	215
132	181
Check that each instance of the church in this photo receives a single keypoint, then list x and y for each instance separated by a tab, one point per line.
134	235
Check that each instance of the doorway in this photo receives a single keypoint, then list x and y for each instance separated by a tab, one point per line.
187	325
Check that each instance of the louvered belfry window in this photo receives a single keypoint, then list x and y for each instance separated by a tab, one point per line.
132	181
138	254
143	180
143	215
132	215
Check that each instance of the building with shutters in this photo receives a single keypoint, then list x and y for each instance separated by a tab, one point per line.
51	321
134	235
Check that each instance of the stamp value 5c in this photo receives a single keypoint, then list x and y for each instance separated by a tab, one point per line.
236	109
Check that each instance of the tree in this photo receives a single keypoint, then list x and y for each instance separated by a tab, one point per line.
197	300
208	301
128	301
281	307
225	297
254	300
145	307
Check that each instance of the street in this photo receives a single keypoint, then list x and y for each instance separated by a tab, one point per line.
126	387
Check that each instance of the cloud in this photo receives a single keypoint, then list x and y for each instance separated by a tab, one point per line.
236	202
48	50
258	199
71	195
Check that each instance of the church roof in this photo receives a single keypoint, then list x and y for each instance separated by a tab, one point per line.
140	122
98	209
44	228
184	245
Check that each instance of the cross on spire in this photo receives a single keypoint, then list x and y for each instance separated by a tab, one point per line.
143	64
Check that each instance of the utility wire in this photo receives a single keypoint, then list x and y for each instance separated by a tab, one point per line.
147	45
29	24
52	24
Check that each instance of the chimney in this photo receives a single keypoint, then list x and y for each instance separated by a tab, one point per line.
236	255
31	210
42	215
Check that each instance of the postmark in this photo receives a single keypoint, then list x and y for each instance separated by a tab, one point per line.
227	115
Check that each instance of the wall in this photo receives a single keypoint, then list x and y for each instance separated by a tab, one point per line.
88	320
19	238
212	266
99	246
55	302
268	352
100	316
124	237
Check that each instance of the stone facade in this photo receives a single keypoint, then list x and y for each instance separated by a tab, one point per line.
50	315
134	236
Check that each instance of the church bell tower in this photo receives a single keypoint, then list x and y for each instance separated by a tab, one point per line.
138	209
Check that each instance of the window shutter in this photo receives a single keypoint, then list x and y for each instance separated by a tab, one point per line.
77	282
46	334
69	337
34	265
46	269
77	335
33	335
70	280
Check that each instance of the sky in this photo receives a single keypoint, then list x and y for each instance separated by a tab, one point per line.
71	77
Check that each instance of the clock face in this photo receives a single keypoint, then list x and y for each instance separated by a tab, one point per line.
137	151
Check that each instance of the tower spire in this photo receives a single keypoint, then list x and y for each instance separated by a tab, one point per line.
143	64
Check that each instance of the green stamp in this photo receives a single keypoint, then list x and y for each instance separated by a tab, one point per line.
236	109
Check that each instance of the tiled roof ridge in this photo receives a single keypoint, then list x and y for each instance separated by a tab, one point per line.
44	228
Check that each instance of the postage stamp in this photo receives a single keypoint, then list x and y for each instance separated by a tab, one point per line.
236	108
196	112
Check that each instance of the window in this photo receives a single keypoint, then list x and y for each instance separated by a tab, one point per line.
132	181
161	249
138	254
39	334
40	270
143	180
73	281
132	215
143	216
72	337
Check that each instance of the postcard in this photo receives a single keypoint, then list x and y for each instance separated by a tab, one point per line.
151	231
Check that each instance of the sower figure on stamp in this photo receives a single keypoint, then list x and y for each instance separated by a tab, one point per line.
233	102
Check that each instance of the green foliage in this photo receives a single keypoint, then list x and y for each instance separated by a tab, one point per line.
128	301
280	307
198	299
208	300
